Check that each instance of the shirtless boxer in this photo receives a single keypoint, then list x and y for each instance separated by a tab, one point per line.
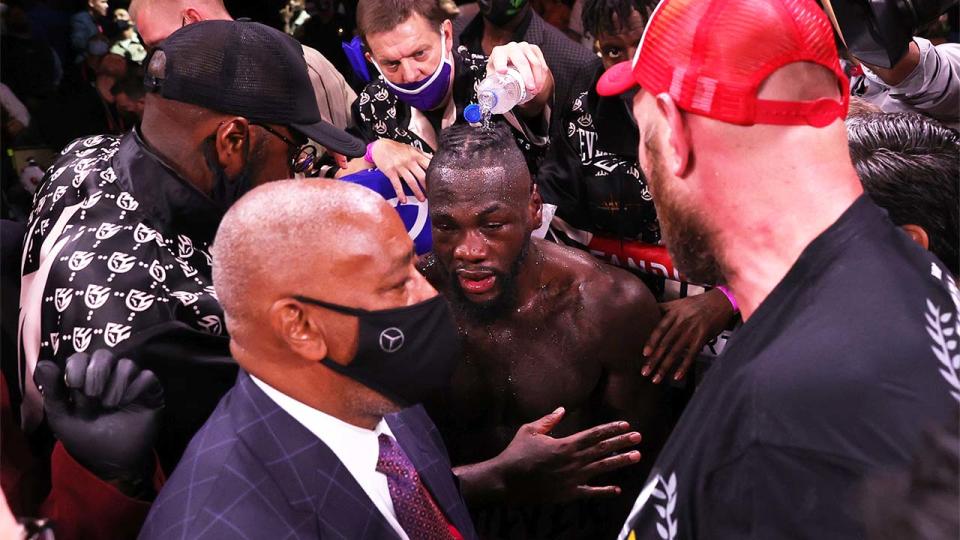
544	326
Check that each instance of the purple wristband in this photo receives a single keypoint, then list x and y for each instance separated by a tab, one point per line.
368	157
733	301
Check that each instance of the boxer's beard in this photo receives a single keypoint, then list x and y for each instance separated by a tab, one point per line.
688	239
491	310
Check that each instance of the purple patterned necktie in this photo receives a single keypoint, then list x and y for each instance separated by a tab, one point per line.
416	510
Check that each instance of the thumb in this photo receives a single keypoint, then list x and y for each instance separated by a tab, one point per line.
49	379
546	424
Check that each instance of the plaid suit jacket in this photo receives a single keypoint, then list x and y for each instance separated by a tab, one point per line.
254	472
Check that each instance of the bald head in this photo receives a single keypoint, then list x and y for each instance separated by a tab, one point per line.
312	238
157	19
290	244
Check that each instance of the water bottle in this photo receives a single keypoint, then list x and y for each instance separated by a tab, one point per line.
500	92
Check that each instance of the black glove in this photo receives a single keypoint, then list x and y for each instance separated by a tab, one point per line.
105	412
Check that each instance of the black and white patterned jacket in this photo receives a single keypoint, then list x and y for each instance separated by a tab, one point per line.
116	256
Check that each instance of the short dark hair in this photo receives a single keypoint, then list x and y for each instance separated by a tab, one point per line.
598	15
375	16
909	165
463	146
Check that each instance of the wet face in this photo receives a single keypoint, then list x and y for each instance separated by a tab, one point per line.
621	45
690	241
410	52
482	223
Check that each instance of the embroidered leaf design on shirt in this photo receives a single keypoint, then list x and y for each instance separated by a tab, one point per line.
667	529
940	329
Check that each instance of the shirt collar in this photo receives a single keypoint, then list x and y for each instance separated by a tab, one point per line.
356	447
164	195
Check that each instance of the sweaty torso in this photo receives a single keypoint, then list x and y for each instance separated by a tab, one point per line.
556	348
550	351
517	369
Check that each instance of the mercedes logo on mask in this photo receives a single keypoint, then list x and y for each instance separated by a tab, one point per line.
391	340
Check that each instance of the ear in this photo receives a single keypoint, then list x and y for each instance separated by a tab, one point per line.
678	158
190	16
447	29
232	137
536	208
918	234
294	324
369	57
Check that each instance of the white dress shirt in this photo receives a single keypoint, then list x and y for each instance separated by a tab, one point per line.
357	448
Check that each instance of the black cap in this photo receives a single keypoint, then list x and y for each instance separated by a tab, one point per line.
247	69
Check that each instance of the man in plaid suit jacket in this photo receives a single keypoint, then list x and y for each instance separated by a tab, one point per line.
292	450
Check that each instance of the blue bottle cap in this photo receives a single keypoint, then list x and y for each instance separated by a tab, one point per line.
472	113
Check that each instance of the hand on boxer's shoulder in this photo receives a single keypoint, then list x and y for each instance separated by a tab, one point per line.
686	326
105	411
538	467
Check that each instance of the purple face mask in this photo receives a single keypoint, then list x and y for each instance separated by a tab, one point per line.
428	93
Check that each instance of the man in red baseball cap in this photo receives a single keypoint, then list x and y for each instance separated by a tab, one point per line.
844	356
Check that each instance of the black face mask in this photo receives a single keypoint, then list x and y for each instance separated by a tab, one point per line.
501	12
226	190
407	353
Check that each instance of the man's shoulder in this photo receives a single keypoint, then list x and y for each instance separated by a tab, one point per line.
219	480
82	17
208	471
605	292
863	350
319	64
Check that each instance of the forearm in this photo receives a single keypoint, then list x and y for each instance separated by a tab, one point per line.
481	483
896	74
927	80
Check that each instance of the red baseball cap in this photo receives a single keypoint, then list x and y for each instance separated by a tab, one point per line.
712	55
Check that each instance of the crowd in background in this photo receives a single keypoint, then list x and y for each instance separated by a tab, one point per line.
76	77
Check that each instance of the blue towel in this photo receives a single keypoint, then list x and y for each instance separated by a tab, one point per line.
415	214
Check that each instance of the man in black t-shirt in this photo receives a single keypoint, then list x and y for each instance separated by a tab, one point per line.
848	348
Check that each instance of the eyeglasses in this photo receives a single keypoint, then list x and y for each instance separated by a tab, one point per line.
302	156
